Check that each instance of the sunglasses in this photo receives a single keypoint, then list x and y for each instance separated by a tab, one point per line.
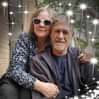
38	21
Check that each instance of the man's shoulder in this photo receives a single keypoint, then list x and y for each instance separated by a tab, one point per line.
74	51
44	56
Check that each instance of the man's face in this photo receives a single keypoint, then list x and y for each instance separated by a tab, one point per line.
60	37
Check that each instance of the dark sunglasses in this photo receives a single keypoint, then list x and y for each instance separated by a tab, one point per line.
38	21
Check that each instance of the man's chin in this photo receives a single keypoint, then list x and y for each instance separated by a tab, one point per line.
59	48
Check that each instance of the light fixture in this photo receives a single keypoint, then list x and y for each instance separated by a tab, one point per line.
19	6
97	87
11	12
76	97
95	21
26	12
60	4
83	96
79	90
93	39
88	16
90	32
12	23
97	82
4	4
69	13
83	6
9	34
72	21
69	4
94	60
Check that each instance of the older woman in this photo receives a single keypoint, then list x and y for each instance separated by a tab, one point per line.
29	44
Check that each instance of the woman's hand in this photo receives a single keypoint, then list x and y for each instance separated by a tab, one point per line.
85	57
49	90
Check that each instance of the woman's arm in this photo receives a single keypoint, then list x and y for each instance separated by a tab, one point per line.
17	68
49	90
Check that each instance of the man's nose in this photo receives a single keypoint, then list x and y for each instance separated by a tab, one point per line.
61	35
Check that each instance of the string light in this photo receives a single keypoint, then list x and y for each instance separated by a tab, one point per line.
12	23
26	12
83	6
94	60
19	6
11	12
95	21
72	21
90	32
4	4
69	4
88	16
97	82
93	39
69	13
76	97
60	4
10	34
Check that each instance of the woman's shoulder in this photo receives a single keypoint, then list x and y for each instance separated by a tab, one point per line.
25	37
24	40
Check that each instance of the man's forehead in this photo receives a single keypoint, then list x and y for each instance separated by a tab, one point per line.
61	26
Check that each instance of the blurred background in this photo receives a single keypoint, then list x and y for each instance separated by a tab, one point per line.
83	16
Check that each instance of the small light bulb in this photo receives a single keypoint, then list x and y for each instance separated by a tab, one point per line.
26	12
11	13
93	39
69	4
12	23
9	34
88	16
19	6
60	4
95	21
83	6
93	60
4	4
69	13
72	21
90	32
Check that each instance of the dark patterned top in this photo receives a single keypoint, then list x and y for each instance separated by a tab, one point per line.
21	58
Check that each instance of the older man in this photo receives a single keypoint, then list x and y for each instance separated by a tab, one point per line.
60	63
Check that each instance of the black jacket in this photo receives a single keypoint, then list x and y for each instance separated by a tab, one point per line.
42	68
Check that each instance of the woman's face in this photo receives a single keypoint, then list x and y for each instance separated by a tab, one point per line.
42	24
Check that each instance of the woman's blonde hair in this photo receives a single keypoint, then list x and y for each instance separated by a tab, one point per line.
51	12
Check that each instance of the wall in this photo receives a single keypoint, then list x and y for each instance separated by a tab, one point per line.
4	42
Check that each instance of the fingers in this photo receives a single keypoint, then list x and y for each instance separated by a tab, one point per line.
57	92
85	57
50	90
81	55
